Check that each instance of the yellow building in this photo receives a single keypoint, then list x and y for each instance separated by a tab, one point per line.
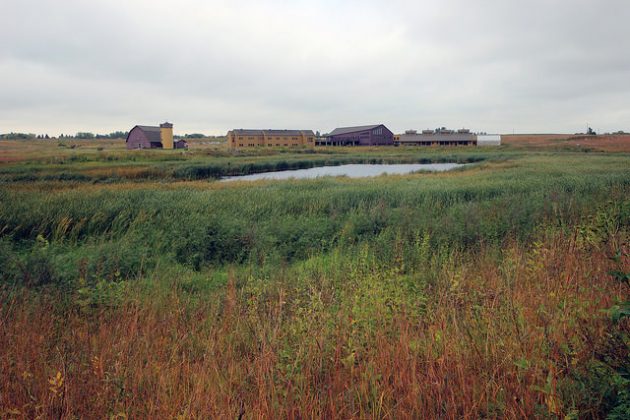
270	138
166	135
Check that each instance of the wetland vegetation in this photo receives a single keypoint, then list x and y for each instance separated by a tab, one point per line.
134	284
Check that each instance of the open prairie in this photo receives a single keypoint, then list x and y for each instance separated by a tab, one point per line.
133	284
603	143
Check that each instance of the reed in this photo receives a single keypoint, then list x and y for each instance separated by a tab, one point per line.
497	291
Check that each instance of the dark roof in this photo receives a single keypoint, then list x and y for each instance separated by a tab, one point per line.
254	132
148	128
152	133
347	130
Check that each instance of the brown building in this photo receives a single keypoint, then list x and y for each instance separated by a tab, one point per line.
270	138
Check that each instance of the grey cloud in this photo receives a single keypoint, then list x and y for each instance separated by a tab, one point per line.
214	65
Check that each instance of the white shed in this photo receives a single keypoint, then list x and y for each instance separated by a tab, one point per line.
489	140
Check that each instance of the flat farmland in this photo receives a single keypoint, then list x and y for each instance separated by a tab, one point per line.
603	143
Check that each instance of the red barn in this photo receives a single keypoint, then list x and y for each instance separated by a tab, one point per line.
149	137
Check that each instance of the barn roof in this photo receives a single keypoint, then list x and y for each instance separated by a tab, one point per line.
347	130
152	133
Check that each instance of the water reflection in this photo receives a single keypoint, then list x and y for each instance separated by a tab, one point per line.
352	171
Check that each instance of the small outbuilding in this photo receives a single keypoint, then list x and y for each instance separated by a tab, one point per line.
489	140
181	144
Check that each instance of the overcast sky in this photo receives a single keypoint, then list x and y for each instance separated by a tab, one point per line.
213	65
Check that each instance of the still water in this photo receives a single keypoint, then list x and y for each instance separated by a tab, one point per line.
352	171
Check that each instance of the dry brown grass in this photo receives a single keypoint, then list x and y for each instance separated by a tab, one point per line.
605	143
13	151
22	150
496	340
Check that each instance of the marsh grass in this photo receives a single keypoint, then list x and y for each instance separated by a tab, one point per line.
114	165
489	292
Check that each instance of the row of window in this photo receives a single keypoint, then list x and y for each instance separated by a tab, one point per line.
308	140
241	138
269	145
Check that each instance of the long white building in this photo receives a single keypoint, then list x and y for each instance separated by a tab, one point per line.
445	137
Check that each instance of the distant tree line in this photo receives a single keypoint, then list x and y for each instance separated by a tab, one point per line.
191	136
86	135
82	135
18	136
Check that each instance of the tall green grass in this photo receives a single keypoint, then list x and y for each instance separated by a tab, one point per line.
287	221
493	291
198	165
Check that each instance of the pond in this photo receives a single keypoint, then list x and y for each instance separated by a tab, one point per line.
352	171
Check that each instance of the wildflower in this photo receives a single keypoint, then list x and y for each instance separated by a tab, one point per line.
56	382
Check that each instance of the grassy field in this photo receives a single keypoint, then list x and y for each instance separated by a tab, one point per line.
601	143
133	284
